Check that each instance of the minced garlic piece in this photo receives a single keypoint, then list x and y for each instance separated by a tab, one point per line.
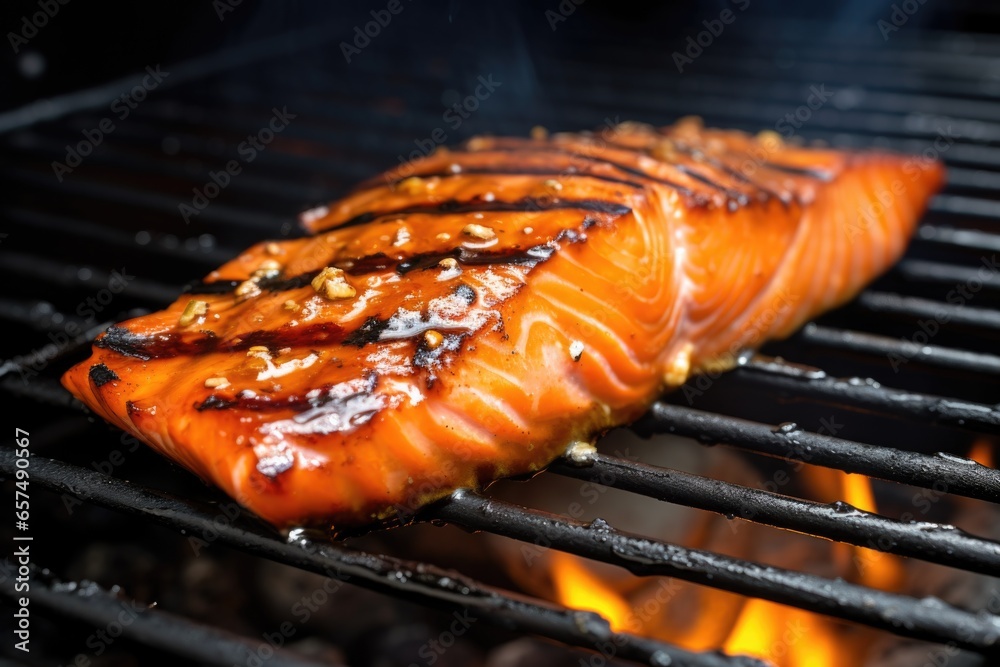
217	383
290	305
770	137
581	453
247	289
331	283
272	248
679	368
193	310
448	263
553	184
412	186
479	232
260	351
433	339
443	236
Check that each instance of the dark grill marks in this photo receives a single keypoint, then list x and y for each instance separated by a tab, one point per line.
824	176
369	332
529	257
382	262
511	170
169	345
100	375
526	205
715	163
466	293
213	287
262	402
686	191
277	284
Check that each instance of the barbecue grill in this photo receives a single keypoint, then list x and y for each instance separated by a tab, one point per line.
909	368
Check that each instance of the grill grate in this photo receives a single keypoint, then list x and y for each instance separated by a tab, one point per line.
894	98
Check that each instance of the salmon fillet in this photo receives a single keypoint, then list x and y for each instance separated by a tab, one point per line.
471	317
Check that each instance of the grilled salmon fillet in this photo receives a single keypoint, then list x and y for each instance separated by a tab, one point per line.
471	317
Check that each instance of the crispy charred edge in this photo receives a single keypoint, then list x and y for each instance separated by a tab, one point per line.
100	375
176	344
480	205
250	401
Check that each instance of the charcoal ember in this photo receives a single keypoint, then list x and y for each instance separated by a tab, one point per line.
405	645
319	649
129	566
530	652
211	589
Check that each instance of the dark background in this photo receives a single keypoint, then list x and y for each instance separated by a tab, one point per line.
88	43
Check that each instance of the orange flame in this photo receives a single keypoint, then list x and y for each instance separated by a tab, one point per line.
982	452
876	568
579	588
705	619
783	636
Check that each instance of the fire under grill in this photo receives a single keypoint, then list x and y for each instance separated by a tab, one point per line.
932	355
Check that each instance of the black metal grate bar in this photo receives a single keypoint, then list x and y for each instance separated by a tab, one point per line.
43	269
923	271
917	307
928	619
804	382
971	239
838	521
841	340
952	474
162	203
167	632
415	581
